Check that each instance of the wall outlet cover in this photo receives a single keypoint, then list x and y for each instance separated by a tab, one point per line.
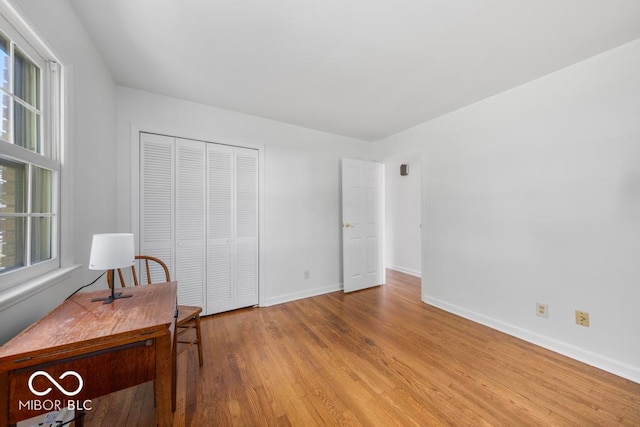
582	318
542	310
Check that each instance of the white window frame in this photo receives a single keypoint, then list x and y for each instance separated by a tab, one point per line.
19	32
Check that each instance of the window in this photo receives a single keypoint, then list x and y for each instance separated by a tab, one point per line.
29	160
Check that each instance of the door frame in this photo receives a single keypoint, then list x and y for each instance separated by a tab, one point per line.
134	170
423	208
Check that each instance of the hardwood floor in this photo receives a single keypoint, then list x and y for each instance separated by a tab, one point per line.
377	357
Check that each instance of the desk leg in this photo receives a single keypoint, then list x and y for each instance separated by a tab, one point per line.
79	415
4	401
174	370
164	415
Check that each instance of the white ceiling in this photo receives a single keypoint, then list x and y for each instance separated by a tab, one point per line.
360	68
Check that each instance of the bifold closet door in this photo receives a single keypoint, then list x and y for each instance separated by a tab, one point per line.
172	211
190	212
232	247
220	228
157	200
199	214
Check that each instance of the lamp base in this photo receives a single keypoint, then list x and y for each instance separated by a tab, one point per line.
111	298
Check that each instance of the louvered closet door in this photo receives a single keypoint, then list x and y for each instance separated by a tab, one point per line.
199	214
246	227
220	247
190	225
232	260
157	179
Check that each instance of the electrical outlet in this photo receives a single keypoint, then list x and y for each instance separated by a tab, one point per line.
542	310
307	274
582	318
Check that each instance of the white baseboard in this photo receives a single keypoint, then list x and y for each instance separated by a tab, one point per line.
408	271
302	294
623	370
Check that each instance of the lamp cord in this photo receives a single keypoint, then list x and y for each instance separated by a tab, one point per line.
82	287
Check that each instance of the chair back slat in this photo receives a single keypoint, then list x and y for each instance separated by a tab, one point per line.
121	278
135	275
146	261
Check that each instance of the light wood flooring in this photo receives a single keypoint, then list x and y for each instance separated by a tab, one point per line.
377	357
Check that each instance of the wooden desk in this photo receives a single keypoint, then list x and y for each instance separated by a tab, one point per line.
110	346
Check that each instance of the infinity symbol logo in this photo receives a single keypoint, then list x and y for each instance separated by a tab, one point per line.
55	383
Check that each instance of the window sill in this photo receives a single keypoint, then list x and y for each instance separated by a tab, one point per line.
27	289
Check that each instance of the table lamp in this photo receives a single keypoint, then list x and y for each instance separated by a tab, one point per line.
109	252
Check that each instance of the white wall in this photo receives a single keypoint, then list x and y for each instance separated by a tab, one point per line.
534	196
302	187
403	200
90	156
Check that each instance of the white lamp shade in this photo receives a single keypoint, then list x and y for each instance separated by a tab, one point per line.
111	250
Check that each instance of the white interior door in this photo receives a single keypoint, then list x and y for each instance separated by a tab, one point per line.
361	224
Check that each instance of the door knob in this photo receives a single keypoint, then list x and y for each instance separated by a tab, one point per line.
347	225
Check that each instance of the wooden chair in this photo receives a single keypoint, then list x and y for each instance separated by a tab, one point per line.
188	316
